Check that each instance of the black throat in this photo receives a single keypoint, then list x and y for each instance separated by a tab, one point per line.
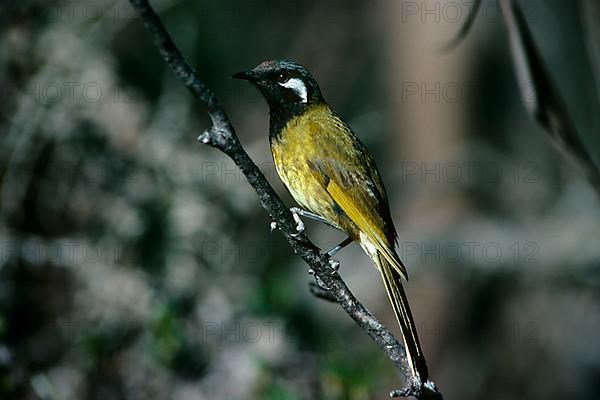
280	114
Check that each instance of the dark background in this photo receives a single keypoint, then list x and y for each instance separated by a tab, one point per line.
136	263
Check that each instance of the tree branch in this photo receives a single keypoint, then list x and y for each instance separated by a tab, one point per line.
223	137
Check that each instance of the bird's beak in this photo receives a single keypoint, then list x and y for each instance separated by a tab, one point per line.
247	75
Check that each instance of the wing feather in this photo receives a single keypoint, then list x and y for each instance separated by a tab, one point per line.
375	234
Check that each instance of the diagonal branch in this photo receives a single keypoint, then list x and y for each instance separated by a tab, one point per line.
223	137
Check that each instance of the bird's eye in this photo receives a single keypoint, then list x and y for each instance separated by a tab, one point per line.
281	77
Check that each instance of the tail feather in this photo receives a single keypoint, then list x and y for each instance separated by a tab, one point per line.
392	280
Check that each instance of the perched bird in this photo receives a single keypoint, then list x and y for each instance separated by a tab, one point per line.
333	177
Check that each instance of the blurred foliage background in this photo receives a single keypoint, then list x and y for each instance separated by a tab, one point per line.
138	264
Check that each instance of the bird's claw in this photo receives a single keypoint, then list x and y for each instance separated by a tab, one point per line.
321	293
299	224
418	390
320	283
406	392
335	265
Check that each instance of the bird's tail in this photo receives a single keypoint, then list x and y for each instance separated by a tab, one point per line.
392	279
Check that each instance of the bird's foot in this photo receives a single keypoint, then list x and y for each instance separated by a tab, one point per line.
335	265
321	293
426	390
406	392
299	224
273	225
318	280
321	284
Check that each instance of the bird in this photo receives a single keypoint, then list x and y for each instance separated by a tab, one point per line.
333	177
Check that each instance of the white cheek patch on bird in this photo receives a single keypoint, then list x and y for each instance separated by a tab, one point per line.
298	87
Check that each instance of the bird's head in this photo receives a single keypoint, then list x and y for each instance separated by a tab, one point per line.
286	85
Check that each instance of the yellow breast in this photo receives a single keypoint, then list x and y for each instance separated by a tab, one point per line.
294	152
